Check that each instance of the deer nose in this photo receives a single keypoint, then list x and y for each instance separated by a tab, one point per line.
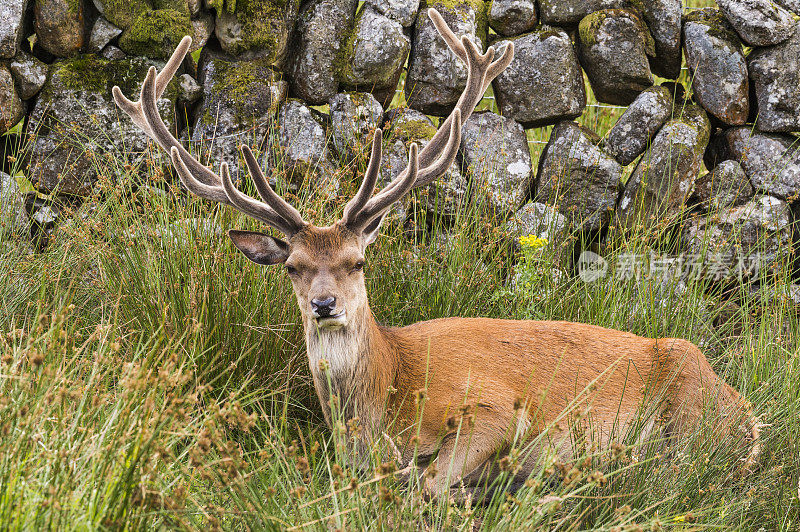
323	307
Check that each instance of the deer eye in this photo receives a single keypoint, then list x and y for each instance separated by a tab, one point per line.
358	266
291	270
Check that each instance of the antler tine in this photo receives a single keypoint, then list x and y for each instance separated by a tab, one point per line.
134	109
172	65
367	187
266	192
218	193
440	152
256	209
499	64
387	197
214	193
197	178
453	42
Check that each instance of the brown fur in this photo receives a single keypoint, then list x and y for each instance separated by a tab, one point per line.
503	375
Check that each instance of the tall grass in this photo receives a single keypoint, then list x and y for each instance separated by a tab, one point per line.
151	377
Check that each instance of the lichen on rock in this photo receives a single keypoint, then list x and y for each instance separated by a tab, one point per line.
614	46
156	33
257	28
75	120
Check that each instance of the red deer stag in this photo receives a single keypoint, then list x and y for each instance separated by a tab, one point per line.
513	377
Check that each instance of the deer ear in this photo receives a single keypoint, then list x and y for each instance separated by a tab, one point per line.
260	248
373	229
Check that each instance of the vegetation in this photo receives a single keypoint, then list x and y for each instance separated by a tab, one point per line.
152	378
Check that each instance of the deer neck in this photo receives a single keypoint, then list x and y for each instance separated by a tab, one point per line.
355	363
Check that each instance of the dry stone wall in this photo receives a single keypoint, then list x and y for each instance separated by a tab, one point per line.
306	82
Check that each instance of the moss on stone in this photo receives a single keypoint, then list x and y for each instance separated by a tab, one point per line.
92	73
718	25
156	33
123	13
412	130
466	9
265	24
176	5
238	83
227	6
342	62
590	25
698	118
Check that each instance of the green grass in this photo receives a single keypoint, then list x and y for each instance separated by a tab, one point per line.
153	379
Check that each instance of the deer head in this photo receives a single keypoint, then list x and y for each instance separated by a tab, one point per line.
325	264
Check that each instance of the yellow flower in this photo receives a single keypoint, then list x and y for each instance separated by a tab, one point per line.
532	242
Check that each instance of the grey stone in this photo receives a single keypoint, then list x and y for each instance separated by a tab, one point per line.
717	66
12	108
113	53
46	216
512	17
190	90
725	186
539	220
30	75
497	159
156	32
12	26
303	145
771	161
258	28
122	14
354	117
782	295
13	218
59	26
240	102
375	53
446	194
641	121
436	76
613	46
75	121
663	18
403	11
322	27
775	73
570	12
103	32
791	5
758	22
579	178
753	236
203	27
195	7
664	178
544	83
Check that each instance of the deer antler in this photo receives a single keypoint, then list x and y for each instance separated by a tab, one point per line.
423	166
437	156
197	178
